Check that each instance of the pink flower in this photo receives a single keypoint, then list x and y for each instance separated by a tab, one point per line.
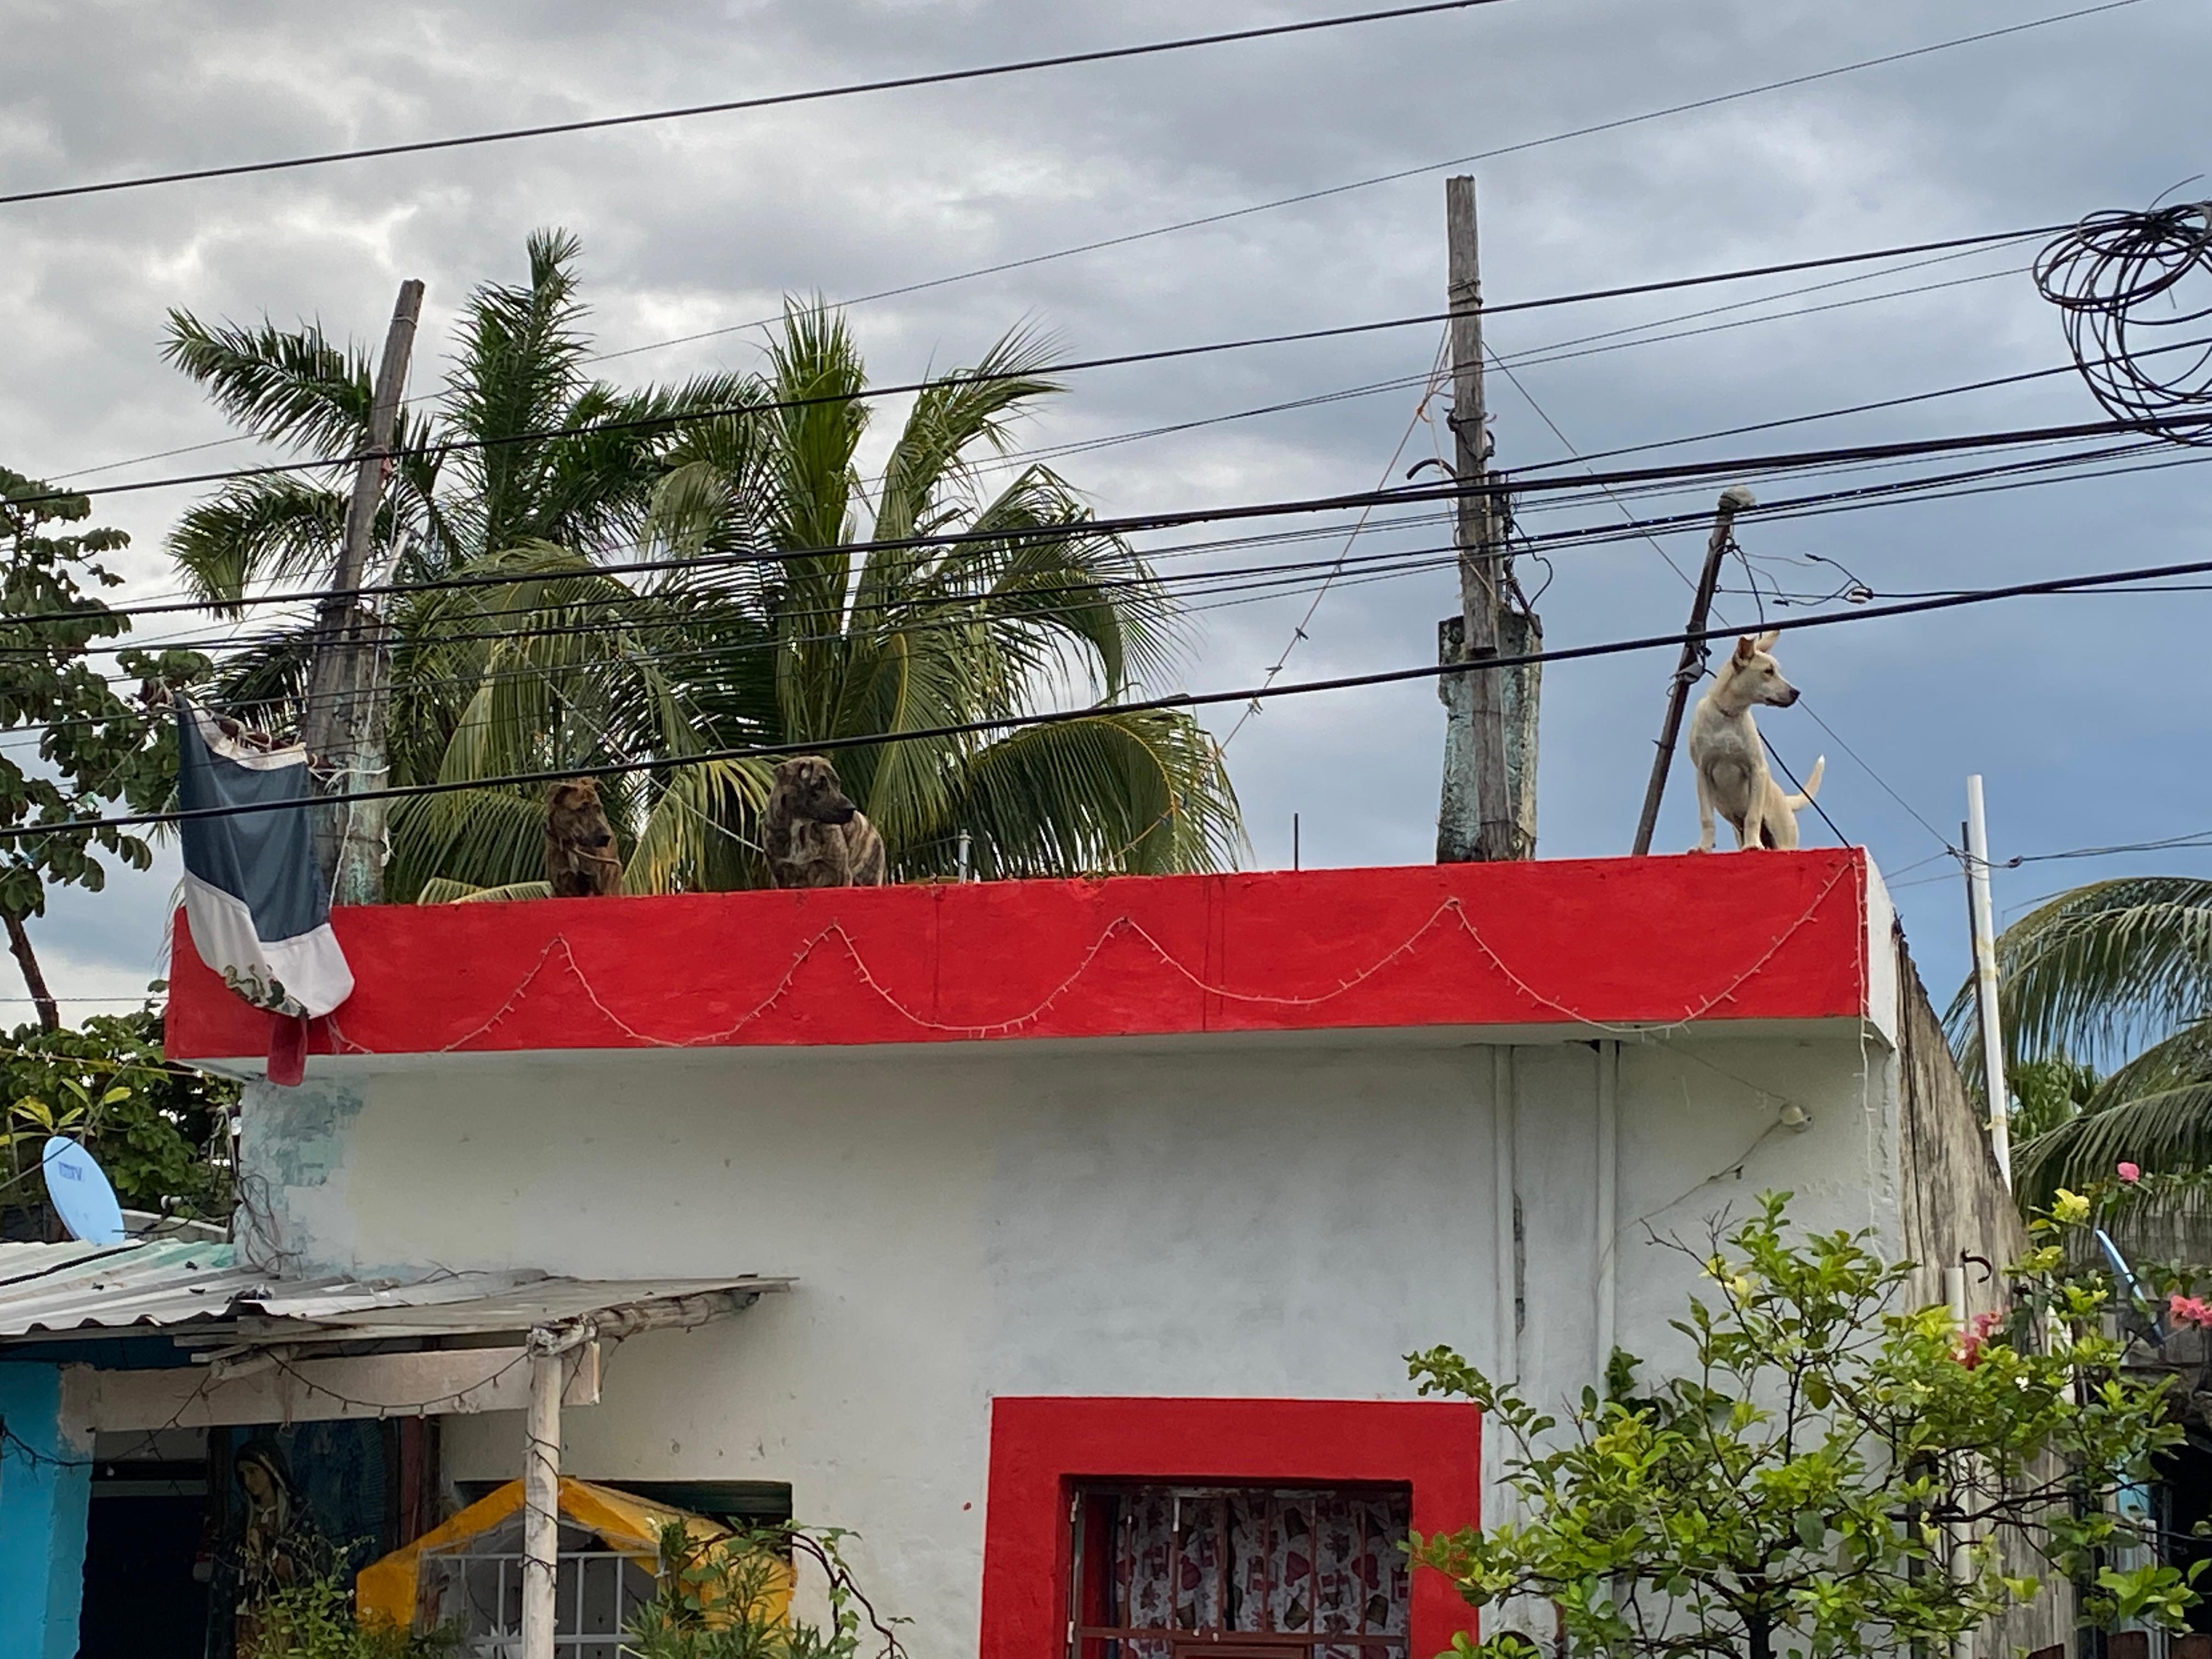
2189	1311
1980	1329
2129	1173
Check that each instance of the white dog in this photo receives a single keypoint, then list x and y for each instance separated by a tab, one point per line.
1729	760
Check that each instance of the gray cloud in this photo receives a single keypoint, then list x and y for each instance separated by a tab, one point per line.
706	223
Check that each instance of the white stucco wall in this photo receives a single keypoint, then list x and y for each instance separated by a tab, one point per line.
1271	1216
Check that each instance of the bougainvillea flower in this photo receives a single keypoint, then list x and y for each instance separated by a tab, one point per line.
1975	1337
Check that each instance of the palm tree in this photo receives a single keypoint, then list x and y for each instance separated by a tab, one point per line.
2118	969
782	618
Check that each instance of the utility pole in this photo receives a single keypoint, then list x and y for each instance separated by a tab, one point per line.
1687	672
1478	820
342	727
1985	978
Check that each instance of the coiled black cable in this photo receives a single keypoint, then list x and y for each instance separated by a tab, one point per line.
2117	274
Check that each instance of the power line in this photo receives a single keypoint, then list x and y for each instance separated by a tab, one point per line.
1303	197
1179	700
443	447
773	101
1533	356
1131	524
1400	560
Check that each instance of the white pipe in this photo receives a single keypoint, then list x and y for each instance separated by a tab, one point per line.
1608	1201
1505	1131
1954	1283
541	1497
1985	978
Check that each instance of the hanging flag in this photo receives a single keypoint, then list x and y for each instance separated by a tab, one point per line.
260	913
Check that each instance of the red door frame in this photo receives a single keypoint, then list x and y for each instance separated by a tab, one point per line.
1041	1448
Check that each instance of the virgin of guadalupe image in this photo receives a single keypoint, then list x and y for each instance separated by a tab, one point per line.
273	1545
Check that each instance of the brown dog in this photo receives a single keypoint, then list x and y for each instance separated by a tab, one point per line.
816	836
580	860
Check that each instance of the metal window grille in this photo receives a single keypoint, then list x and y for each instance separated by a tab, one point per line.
596	1592
1240	1572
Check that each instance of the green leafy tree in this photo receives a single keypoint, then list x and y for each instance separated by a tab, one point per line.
2119	971
1800	1488
316	1620
158	1129
772	629
729	1598
90	746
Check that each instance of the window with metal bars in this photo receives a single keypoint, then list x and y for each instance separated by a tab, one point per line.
1239	1572
596	1593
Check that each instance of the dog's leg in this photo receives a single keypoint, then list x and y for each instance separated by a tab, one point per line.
1705	813
1749	834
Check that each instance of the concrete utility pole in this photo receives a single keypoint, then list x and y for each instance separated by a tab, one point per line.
342	727
1733	499
1985	978
1478	820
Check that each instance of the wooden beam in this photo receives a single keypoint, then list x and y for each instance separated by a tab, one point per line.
274	1389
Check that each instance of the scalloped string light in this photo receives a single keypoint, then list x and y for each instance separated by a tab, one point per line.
1450	912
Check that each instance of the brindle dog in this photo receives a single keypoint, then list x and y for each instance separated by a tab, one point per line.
816	836
580	860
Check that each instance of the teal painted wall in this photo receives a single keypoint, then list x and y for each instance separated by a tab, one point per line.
44	1507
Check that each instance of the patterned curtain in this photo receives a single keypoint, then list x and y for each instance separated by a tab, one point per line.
1242	1559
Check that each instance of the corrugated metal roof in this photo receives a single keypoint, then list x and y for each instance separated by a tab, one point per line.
65	1287
56	1289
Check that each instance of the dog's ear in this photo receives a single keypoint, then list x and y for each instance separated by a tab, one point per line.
1746	648
1766	641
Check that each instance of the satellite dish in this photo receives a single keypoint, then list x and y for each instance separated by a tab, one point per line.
81	1193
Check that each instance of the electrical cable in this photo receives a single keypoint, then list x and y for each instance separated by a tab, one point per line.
2103	274
1396	383
1179	700
773	101
1534	357
441	448
1131	524
1404	561
1524	145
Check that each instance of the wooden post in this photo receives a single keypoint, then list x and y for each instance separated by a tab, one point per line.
341	737
1733	499
541	1497
1477	820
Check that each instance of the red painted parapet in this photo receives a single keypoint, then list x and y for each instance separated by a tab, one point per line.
1656	941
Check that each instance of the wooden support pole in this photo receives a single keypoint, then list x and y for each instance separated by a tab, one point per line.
1479	799
1691	666
541	1497
344	737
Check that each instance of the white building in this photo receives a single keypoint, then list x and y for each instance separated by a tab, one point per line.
1110	1208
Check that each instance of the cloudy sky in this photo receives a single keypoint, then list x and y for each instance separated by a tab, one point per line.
2083	713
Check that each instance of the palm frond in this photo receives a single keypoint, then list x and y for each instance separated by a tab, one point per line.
951	416
702	833
2102	969
1132	792
2168	1131
293	387
488	837
438	890
255	531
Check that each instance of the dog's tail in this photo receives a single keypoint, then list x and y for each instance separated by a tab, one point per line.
1799	803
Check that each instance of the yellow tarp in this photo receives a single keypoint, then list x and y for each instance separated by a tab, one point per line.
387	1590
